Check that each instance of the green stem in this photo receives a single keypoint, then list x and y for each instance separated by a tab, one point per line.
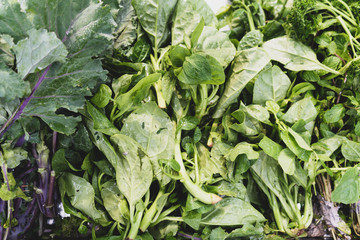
214	127
201	108
134	229
333	169
249	16
348	33
276	211
194	189
150	213
197	172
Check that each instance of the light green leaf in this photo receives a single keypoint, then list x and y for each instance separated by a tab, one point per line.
348	189
14	192
232	212
13	21
251	39
152	128
294	55
270	147
126	31
12	86
38	51
271	85
154	17
201	69
102	97
81	195
351	150
335	114
101	122
286	160
216	44
13	156
328	145
6	44
242	148
114	202
301	110
257	112
246	66
134	171
187	16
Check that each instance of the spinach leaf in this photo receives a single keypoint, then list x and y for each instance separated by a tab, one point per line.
272	84
348	189
133	170
247	64
294	55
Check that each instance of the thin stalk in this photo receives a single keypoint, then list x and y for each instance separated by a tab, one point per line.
249	16
276	211
214	126
339	18
197	171
151	212
201	108
134	229
194	189
164	214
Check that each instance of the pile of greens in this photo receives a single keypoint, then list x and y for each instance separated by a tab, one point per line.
161	120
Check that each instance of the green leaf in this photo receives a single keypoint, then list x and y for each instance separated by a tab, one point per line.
251	39
272	84
126	31
177	55
114	202
101	122
270	147
188	123
133	172
335	114
85	27
294	55
154	17
6	44
81	195
232	212
14	192
65	87
328	145
216	44
286	160
301	110
348	189
102	97
351	150
187	16
246	66
13	21
13	156
242	148
152	128
257	112
201	69
12	86
38	51
128	100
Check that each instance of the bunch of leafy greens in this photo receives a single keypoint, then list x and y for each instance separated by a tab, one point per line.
159	125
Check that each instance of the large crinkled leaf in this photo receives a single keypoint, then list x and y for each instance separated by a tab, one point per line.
294	55
246	66
152	128
13	21
65	87
272	84
6	56
232	212
187	16
134	171
12	86
81	195
216	44
154	17
348	189
38	51
85	26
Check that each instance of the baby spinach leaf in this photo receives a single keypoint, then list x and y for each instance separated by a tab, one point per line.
154	17
201	69
251	39
294	55
152	128
286	160
348	189
335	114
102	97
29	58
301	110
232	212
351	150
114	202
270	147
133	170
81	195
272	84
216	44
101	122
245	67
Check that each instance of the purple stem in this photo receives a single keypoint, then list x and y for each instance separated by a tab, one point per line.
5	175
26	101
188	236
54	141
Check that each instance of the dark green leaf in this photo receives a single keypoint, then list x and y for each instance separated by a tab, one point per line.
335	114
102	97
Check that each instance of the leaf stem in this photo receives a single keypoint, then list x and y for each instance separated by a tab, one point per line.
150	213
